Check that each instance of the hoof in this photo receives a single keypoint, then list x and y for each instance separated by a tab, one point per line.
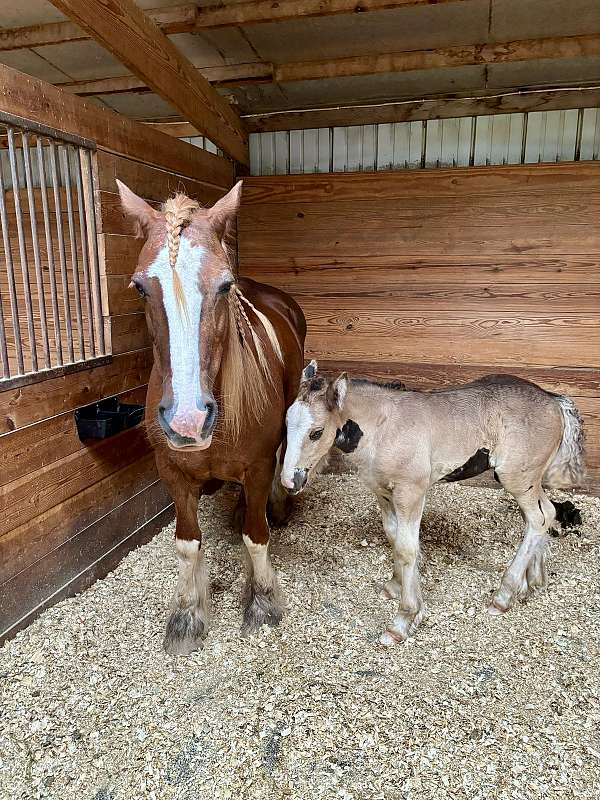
185	631
261	608
494	611
390	638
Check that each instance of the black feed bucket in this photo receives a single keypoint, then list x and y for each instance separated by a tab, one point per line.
106	418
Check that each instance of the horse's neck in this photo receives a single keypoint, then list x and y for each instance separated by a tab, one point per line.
358	418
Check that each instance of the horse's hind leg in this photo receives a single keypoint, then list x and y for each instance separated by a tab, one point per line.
408	502
527	570
188	624
392	589
262	602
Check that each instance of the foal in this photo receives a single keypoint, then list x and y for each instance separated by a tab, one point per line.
404	441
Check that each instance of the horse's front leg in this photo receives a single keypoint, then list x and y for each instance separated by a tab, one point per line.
190	610
262	601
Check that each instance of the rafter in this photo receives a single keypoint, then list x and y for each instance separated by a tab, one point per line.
190	18
132	37
410	110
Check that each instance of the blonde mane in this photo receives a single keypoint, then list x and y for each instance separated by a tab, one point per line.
178	212
246	378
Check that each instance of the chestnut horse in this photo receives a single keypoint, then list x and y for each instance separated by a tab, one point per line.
228	353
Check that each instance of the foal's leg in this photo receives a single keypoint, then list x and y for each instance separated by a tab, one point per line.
392	589
408	502
188	623
527	570
280	503
262	603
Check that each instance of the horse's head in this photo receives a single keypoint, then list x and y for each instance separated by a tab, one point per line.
313	423
185	276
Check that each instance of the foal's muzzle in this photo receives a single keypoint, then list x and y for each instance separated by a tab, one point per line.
300	478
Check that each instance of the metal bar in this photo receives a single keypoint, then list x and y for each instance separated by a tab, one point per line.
64	156
90	204
3	345
524	137
44	130
61	249
49	252
39	280
12	289
84	250
578	134
22	248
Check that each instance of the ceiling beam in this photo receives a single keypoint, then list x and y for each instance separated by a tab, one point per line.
228	75
443	57
431	108
126	32
190	18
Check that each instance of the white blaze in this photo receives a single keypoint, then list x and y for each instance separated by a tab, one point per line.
183	328
299	421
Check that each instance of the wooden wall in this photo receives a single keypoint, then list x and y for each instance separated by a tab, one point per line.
442	275
69	511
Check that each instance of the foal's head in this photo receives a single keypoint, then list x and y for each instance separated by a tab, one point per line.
185	277
314	422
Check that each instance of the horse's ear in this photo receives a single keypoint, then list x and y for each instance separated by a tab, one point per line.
336	392
309	371
224	210
142	214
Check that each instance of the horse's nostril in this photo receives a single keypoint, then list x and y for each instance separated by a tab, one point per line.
211	418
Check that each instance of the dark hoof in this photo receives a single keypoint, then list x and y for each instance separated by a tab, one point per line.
185	631
261	608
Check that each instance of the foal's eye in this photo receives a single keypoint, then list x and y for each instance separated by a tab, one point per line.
316	434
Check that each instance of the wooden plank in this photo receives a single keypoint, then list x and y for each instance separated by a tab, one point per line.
43	103
81	561
120	253
188	18
131	36
122	299
441	107
32	494
301	274
129	332
422	375
32	541
350	329
556	47
29	404
453	295
149	182
36	446
403	184
223	76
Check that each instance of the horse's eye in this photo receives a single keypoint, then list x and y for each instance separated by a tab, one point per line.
316	434
139	288
225	287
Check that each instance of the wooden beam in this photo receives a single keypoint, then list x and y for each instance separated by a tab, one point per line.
556	47
227	75
132	37
189	18
176	129
48	105
430	108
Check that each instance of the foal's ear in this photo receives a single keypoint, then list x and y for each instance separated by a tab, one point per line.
224	210
142	214
336	392
309	371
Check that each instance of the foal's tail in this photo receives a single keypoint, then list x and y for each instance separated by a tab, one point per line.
568	465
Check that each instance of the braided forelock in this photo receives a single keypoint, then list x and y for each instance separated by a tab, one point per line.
178	212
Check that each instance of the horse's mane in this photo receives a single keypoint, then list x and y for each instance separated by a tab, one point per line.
246	378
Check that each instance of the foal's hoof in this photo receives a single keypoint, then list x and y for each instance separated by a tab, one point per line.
494	611
389	638
262	608
185	631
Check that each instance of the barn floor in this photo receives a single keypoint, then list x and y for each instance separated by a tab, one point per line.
473	707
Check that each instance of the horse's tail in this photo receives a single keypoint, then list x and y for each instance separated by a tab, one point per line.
567	468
